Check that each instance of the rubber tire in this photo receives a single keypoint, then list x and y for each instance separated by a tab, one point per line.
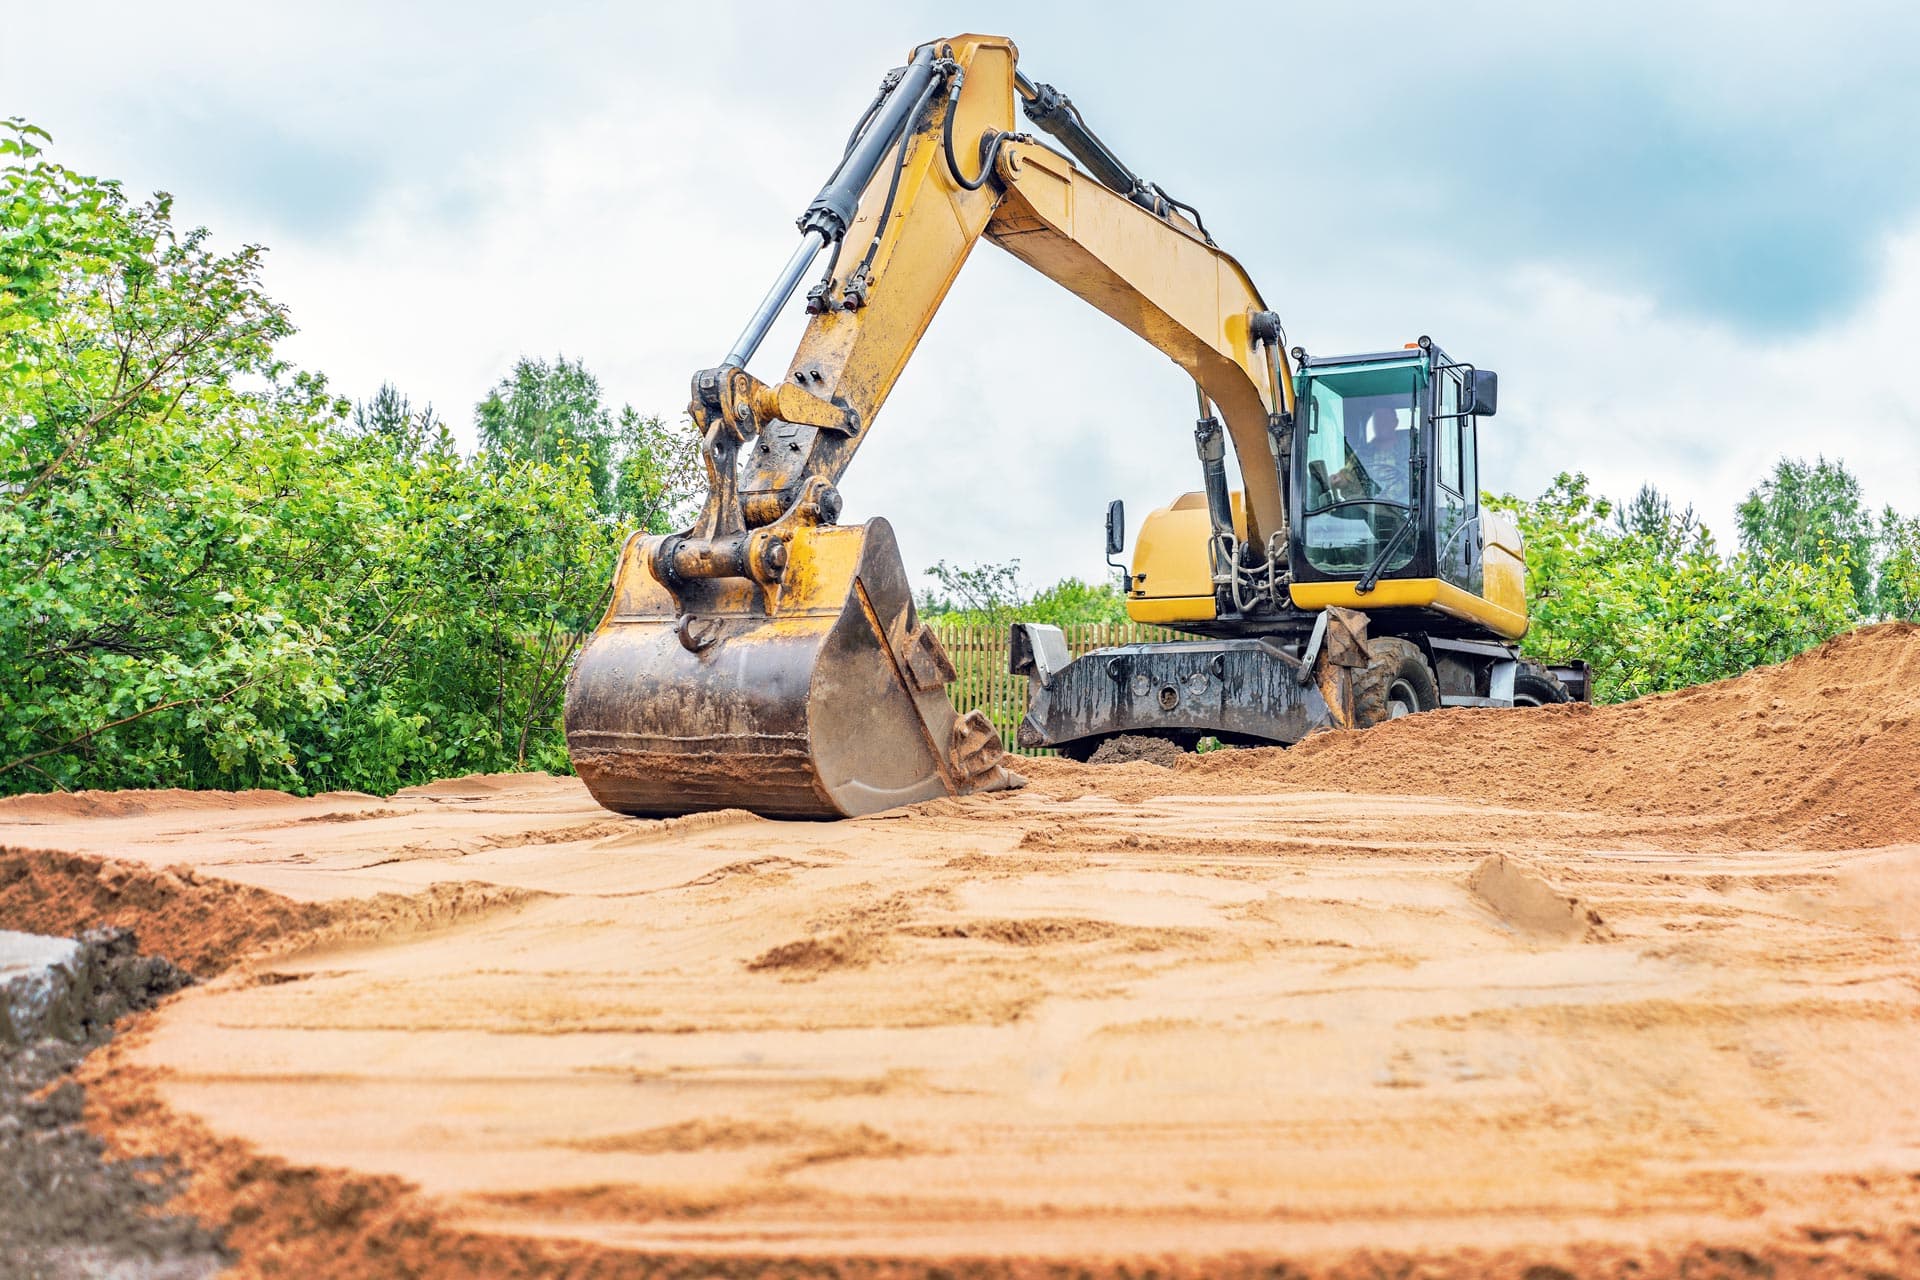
1391	661
1535	686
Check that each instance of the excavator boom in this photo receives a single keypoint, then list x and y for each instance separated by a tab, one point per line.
769	659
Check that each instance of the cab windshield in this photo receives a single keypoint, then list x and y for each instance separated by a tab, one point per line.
1359	465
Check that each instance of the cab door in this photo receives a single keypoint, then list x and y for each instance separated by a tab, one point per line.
1456	487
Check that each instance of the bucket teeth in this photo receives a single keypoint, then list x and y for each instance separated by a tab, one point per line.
976	750
928	665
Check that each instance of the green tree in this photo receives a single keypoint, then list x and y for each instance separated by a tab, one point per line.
1897	586
390	417
992	593
135	477
988	593
1805	512
543	412
458	616
1651	515
656	472
1071	602
215	572
644	470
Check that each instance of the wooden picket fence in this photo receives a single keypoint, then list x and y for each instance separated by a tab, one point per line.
979	653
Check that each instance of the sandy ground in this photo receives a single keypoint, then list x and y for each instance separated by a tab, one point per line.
1222	1016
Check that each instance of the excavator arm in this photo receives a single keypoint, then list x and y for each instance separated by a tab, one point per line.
1154	272
769	659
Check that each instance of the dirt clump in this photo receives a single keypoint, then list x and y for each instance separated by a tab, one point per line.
844	949
392	915
205	924
1525	901
1128	747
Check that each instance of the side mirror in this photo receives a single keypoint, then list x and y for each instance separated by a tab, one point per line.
1116	527
1483	395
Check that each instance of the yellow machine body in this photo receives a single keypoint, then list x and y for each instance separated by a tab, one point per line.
768	659
1171	584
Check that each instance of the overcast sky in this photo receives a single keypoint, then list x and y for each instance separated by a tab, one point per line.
1686	236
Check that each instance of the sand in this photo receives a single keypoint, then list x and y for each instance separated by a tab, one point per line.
1607	991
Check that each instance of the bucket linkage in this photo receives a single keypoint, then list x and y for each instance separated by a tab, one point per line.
781	669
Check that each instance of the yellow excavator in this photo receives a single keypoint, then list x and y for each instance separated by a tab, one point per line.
770	659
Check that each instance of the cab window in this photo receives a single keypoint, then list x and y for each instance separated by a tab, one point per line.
1450	429
1359	442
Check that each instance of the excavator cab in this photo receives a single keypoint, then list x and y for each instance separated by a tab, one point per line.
1387	494
1394	592
1383	511
1386	479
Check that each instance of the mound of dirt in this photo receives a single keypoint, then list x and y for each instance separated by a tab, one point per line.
1129	747
204	924
65	806
846	949
467	786
1530	905
200	923
1818	752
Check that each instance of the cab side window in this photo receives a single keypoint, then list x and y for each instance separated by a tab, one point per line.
1450	431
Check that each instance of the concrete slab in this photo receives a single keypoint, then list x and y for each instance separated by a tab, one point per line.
41	981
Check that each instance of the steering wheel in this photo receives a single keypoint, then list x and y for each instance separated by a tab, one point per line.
1360	484
1389	473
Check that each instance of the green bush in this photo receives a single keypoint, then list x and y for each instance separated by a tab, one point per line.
1650	603
213	572
992	594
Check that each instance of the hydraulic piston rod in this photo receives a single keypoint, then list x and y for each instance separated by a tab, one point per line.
790	275
831	212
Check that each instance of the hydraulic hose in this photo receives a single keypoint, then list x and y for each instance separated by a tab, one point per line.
1054	112
893	184
832	210
989	143
873	108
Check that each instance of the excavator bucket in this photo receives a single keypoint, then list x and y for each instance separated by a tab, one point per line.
819	696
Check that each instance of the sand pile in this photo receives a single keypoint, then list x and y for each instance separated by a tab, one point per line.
68	805
1820	752
205	924
198	922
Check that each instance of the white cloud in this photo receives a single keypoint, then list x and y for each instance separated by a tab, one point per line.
619	183
1601	381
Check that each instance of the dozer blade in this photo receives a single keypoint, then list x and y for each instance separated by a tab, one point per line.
820	697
